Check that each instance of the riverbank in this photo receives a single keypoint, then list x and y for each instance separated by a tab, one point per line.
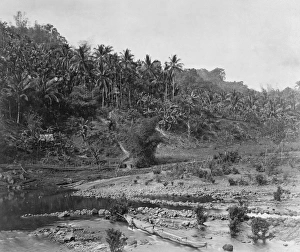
166	195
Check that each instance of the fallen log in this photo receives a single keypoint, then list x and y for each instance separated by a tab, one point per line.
151	229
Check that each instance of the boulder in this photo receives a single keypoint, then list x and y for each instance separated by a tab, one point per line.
64	214
185	223
69	237
10	179
101	247
84	212
132	243
94	211
143	242
107	214
228	247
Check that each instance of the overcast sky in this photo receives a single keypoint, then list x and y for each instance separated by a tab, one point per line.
255	41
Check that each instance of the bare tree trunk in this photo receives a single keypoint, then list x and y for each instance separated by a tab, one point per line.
9	109
102	98
19	107
173	84
188	129
166	91
129	98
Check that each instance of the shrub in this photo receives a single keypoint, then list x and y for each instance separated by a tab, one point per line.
115	239
177	171
142	141
226	169
237	212
201	173
180	183
259	227
216	171
118	208
158	178
165	183
276	180
243	182
212	164
232	182
234	227
156	170
148	181
201	215
260	179
271	163
259	167
227	157
204	173
235	170
285	176
278	193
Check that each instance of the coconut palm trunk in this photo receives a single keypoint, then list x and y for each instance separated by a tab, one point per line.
18	109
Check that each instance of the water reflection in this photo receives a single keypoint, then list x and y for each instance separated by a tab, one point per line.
14	205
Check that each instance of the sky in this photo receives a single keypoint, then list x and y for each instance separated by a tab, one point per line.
255	41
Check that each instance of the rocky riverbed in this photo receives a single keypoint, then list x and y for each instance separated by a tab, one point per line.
189	192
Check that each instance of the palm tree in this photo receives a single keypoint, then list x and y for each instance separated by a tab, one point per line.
113	63
101	53
19	90
174	66
128	67
150	71
103	81
48	90
166	79
103	72
82	64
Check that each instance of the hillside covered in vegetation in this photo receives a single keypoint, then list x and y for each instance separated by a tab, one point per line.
58	102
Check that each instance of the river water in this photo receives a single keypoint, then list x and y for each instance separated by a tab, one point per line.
15	230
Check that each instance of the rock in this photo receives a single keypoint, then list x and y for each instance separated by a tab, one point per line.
101	212
10	179
54	230
143	242
228	247
285	244
60	232
140	209
101	247
69	237
132	243
185	223
84	212
107	214
64	214
193	223
94	211
189	215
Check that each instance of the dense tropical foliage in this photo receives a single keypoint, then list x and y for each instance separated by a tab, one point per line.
47	86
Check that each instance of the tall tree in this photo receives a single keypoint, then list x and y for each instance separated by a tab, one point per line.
129	72
174	66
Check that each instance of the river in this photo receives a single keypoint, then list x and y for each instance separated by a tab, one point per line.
15	231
